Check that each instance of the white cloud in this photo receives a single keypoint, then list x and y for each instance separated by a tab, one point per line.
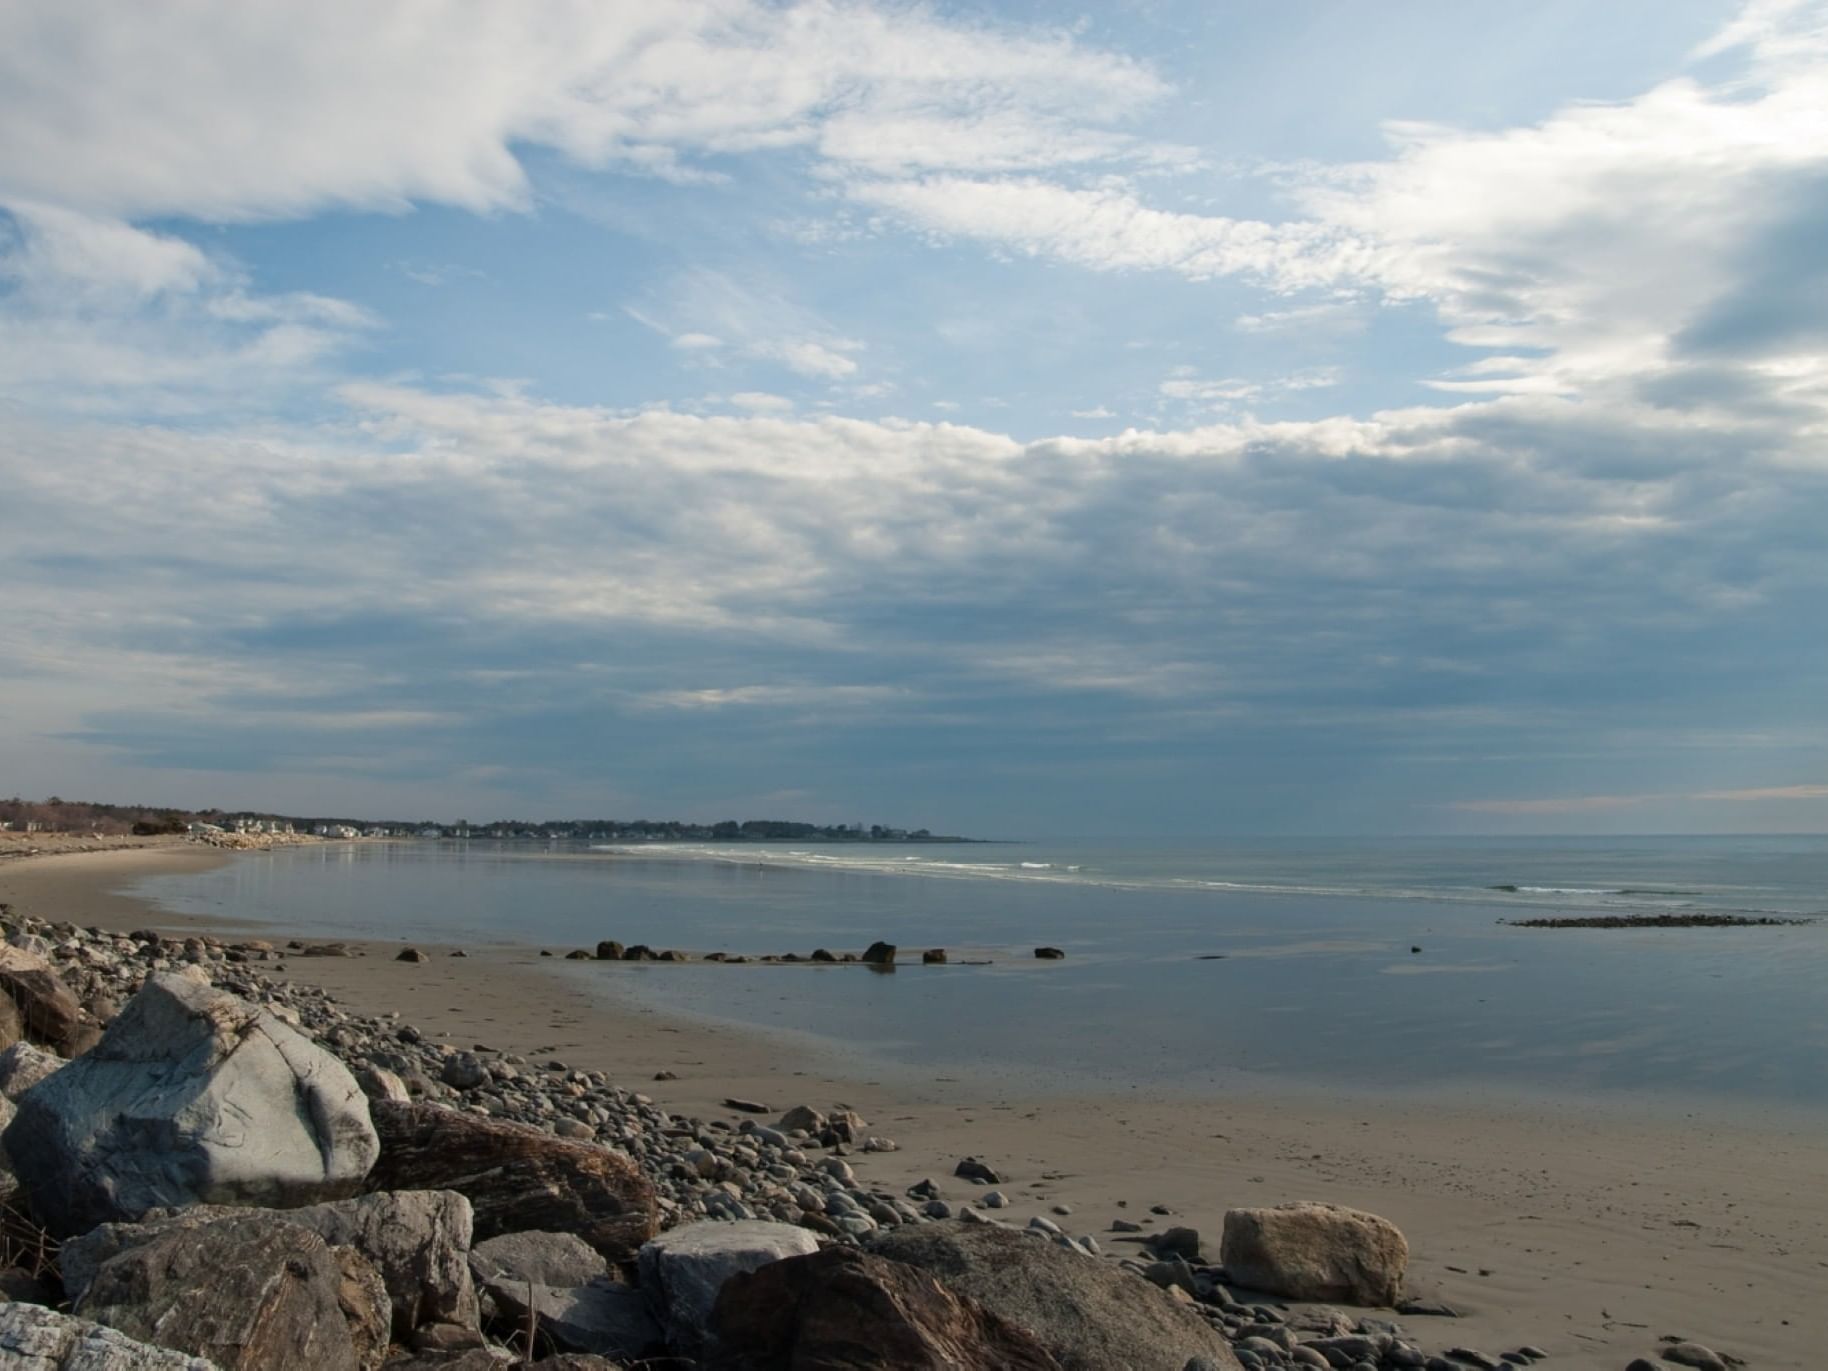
761	402
126	119
1096	412
697	342
808	358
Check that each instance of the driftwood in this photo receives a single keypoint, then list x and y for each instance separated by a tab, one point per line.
516	1178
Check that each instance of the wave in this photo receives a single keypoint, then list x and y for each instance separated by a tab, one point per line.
1501	896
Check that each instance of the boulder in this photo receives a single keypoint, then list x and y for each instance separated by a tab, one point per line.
33	1338
378	1083
879	954
683	1269
1312	1251
418	1240
933	956
249	1293
1049	954
517	1178
48	1013
603	1318
12	1022
840	1309
609	950
192	1096
803	1116
557	1259
1087	1315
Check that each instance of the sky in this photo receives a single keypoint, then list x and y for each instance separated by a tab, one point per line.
1174	416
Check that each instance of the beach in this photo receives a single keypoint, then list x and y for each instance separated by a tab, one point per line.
1590	1232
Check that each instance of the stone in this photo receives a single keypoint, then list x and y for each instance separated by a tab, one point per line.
1087	1314
464	1071
406	954
1049	954
49	1014
22	1066
192	1096
879	954
933	956
517	1179
1308	1251
1178	1242
974	1170
37	1339
746	1106
841	1309
417	1240
558	1259
684	1268
803	1116
12	1022
1695	1355
577	954
247	1293
380	1084
609	950
603	1318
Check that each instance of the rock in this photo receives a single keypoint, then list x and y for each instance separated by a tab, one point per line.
379	1084
1178	1242
841	1309
933	956
1695	1355
974	1170
464	1071
683	1269
192	1096
1088	1315
12	1022
746	1106
418	1241
37	1339
406	954
803	1116
879	954
1430	1309
22	1066
1049	954
48	1013
1315	1252
516	1178
248	1293
603	1318
1642	1364
577	954
543	1258
609	950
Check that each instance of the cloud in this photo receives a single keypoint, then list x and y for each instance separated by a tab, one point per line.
807	358
434	109
1586	804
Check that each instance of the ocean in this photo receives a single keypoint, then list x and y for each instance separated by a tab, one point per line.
1316	965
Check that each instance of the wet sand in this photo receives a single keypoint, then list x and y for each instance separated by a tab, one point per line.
1588	1230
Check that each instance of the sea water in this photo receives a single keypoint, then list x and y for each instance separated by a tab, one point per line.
1382	964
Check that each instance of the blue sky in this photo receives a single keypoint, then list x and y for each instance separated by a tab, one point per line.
1172	417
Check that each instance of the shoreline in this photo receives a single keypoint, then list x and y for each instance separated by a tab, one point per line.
1591	1234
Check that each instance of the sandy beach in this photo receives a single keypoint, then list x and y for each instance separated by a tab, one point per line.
1590	1232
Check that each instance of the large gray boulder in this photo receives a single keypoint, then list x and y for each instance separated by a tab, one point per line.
685	1267
33	1338
418	1240
249	1293
192	1096
1087	1315
1315	1252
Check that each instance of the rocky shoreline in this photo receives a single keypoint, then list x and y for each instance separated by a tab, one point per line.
417	1204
